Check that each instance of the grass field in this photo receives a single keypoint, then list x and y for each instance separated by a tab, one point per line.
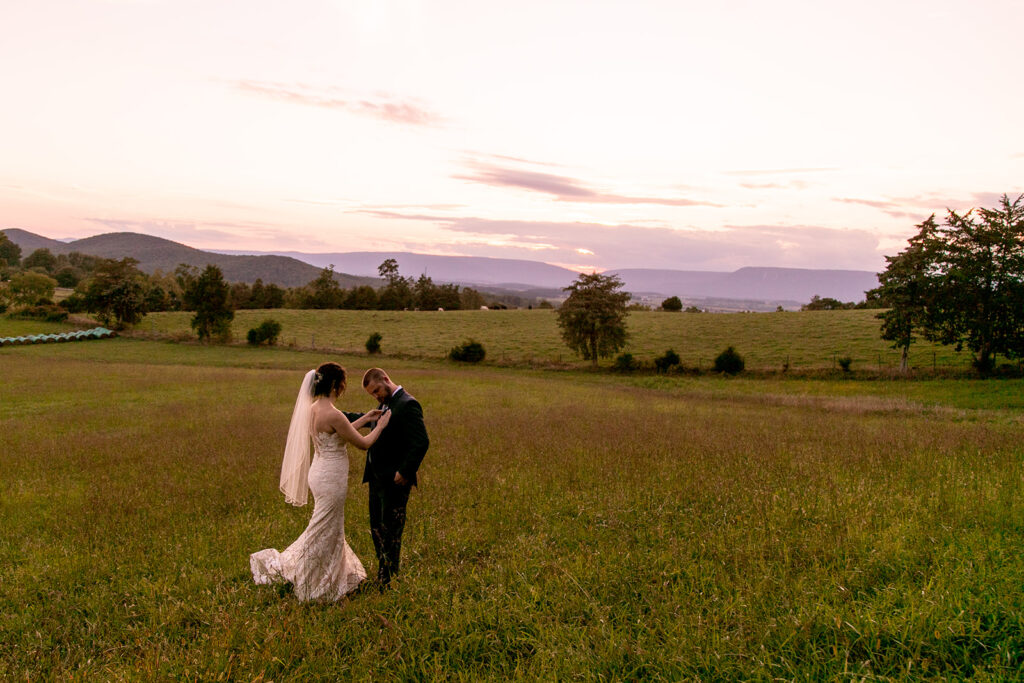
569	526
804	340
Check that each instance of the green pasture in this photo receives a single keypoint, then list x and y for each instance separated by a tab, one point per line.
805	340
569	525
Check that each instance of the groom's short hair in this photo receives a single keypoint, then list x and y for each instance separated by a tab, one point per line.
375	375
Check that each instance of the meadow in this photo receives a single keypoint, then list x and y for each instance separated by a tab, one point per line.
807	340
569	525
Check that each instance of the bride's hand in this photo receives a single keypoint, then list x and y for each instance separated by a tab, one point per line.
373	414
384	419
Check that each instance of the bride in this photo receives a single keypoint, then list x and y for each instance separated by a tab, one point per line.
320	565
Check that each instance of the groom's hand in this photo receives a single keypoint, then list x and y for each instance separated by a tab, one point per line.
400	480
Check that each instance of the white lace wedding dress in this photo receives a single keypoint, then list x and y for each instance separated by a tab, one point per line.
320	565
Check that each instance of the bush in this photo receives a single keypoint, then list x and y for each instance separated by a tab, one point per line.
666	361
268	331
373	342
470	352
844	363
625	363
48	312
673	303
729	362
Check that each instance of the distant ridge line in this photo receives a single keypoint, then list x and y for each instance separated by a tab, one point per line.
766	284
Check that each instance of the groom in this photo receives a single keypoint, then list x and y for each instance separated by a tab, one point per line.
391	465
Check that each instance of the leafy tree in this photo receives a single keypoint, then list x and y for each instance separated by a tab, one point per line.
265	296
389	270
324	291
361	298
116	293
904	286
672	304
962	283
68	276
470	299
165	292
397	294
448	297
979	269
425	294
207	294
593	317
10	253
41	259
28	288
240	295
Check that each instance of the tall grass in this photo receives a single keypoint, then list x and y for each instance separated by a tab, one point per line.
568	526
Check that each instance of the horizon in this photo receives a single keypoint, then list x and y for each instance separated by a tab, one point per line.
592	137
314	262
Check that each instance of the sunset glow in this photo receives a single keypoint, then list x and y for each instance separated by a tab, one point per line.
660	134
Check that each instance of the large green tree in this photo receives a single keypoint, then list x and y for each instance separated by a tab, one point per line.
397	294
116	292
27	288
961	283
209	296
593	317
41	259
904	288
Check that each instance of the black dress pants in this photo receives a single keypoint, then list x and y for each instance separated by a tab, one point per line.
387	520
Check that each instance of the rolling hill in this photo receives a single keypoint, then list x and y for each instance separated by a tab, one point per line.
155	253
751	288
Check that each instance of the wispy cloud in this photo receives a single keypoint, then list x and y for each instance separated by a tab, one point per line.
210	234
562	188
636	246
386	108
778	171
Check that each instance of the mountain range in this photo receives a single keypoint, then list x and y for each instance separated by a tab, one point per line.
754	288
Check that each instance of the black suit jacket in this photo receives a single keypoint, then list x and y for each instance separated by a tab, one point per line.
402	444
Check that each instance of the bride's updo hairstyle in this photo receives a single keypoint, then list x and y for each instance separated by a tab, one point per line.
328	377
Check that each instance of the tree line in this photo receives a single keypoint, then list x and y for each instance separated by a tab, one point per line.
120	294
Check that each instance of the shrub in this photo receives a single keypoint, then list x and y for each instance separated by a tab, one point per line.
673	303
373	342
625	363
268	331
48	312
729	362
470	352
844	363
666	361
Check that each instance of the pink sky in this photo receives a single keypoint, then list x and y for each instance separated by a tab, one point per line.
668	134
